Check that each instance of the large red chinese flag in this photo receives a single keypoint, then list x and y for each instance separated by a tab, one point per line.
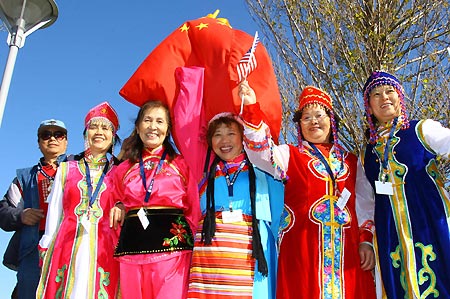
210	43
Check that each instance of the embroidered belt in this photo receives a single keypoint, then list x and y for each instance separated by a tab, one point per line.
168	230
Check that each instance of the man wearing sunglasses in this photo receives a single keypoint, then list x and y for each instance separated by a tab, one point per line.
23	208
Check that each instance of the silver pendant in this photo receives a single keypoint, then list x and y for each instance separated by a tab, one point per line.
149	165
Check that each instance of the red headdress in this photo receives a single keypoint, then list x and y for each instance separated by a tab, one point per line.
103	111
313	95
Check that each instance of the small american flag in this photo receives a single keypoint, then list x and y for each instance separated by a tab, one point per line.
248	62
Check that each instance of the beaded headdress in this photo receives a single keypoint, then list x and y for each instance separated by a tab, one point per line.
378	78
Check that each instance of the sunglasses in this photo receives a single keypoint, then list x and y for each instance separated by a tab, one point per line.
46	135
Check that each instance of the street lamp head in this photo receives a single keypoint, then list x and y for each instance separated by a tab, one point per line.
22	17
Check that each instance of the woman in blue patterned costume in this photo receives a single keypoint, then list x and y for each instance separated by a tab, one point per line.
411	205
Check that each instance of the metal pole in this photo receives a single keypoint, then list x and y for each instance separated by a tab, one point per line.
7	74
16	40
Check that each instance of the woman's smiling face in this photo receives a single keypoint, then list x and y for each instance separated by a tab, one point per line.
226	141
315	124
384	103
153	128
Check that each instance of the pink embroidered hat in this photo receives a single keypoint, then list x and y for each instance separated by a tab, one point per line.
103	111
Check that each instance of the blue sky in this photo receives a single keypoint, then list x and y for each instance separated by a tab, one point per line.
81	60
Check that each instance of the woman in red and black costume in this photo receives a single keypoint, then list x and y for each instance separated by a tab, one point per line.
156	188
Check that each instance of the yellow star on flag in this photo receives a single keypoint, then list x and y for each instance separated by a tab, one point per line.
185	27
201	26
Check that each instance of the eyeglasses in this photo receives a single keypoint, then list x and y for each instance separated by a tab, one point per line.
46	135
309	119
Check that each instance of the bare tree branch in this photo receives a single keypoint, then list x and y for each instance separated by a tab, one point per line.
336	44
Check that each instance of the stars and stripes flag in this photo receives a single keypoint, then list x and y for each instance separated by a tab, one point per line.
248	62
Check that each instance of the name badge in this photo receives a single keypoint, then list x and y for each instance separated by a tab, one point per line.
232	216
143	218
342	201
384	188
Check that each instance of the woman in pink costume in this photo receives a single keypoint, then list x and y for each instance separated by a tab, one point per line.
162	210
325	235
78	243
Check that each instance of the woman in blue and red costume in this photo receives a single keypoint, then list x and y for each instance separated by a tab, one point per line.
325	235
235	252
78	243
411	205
161	201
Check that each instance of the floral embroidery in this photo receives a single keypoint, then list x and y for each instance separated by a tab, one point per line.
180	234
333	221
60	275
339	169
104	281
287	221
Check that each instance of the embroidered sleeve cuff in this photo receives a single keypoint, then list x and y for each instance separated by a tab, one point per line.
256	146
365	235
42	252
366	231
252	115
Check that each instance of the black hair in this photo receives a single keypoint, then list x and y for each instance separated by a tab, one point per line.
209	222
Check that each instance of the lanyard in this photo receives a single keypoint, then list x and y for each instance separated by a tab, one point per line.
50	178
316	152
230	183
93	196
384	161
148	191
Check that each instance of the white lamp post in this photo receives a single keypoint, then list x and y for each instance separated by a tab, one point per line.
21	18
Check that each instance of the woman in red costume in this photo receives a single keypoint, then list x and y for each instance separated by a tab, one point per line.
162	210
325	235
78	243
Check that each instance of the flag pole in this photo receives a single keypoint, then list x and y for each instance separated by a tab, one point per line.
246	65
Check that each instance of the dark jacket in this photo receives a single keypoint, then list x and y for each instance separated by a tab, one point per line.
26	237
